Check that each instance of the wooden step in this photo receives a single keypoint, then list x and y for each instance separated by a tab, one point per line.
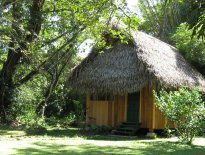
130	125
124	133
127	129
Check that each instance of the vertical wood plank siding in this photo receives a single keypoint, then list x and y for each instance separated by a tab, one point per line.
151	117
113	113
107	112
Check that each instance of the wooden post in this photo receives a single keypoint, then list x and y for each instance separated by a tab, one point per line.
126	104
140	113
153	121
115	110
87	108
151	102
113	113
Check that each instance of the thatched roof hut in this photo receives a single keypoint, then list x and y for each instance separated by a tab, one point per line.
129	67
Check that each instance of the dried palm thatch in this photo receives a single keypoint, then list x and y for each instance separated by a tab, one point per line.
130	67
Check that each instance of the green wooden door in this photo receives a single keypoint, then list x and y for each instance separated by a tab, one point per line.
133	107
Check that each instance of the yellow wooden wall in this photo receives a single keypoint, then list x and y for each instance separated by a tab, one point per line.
151	116
146	108
114	112
107	112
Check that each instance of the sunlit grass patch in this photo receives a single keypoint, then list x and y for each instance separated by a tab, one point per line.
73	141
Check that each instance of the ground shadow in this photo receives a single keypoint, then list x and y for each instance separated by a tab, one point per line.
159	148
136	145
70	133
77	132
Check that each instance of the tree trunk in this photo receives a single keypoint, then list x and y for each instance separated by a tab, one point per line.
9	67
55	74
15	52
6	81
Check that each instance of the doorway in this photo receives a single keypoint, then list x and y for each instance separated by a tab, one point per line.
133	108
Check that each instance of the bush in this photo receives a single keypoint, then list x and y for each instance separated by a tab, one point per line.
186	108
36	130
25	100
65	108
70	120
66	104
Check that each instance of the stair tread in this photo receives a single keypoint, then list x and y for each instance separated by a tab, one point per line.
127	128
129	125
124	133
133	123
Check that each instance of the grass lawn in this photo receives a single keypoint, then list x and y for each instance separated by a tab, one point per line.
71	141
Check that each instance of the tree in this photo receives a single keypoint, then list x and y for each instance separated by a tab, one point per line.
184	107
196	15
191	47
16	42
161	18
41	37
164	19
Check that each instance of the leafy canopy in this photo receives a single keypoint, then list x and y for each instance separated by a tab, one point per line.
191	47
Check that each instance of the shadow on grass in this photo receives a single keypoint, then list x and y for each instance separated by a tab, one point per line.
68	133
3	132
9	131
105	144
156	148
71	132
6	128
77	132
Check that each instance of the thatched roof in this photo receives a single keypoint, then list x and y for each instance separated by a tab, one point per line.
130	67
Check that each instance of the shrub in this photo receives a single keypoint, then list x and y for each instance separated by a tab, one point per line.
36	130
25	100
70	120
186	108
66	104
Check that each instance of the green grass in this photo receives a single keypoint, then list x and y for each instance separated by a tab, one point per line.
72	141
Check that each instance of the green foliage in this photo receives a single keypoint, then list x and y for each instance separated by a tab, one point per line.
191	47
167	132
64	122
42	39
36	130
26	99
199	27
64	102
161	20
186	108
166	20
195	15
